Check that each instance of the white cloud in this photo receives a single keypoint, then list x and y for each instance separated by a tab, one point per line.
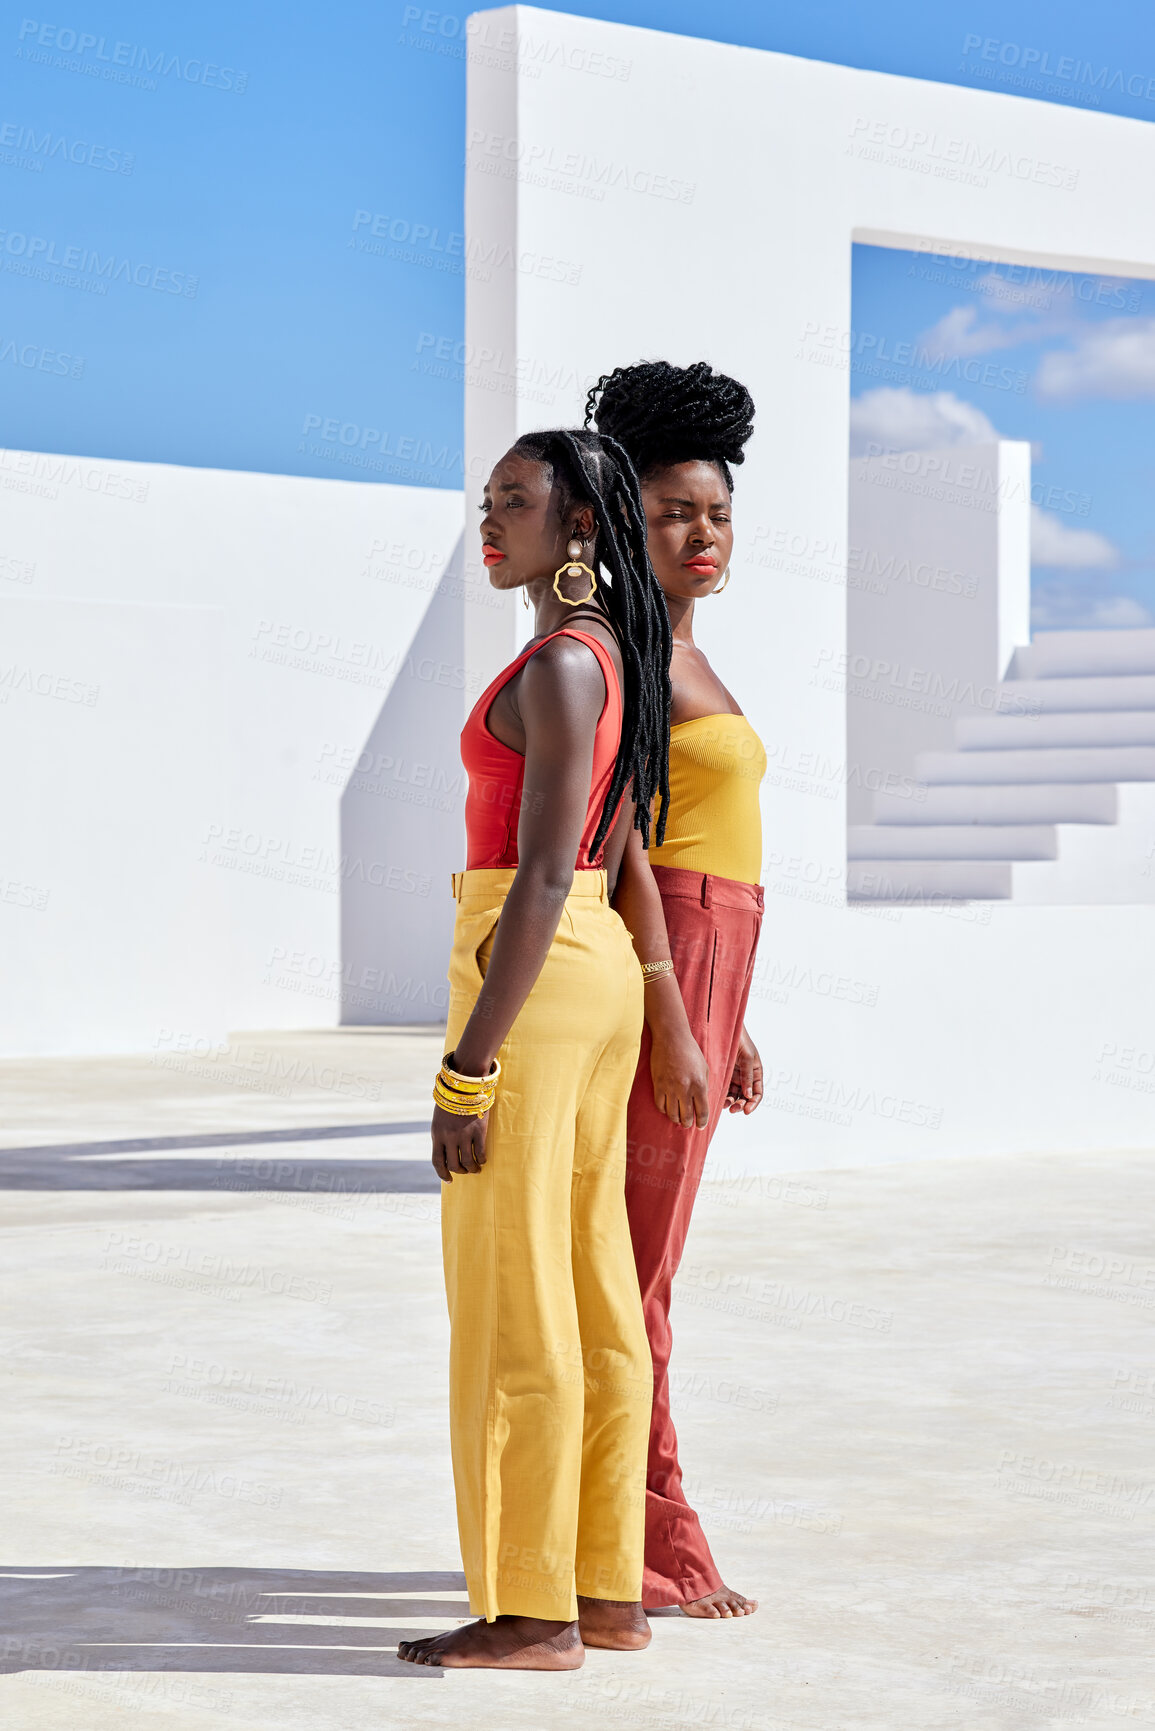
1054	542
1059	607
1112	359
895	418
960	332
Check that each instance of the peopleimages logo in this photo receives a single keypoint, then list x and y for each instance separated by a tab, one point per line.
37	255
119	63
41	360
930	152
47	146
1068	68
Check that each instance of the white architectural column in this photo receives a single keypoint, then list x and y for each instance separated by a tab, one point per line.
938	595
491	346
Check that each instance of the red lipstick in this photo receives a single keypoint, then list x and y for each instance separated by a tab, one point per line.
491	555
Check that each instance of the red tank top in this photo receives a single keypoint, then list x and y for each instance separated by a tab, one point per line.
496	771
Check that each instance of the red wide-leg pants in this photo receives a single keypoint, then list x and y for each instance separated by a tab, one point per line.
713	924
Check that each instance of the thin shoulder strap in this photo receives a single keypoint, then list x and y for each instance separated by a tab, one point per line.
604	658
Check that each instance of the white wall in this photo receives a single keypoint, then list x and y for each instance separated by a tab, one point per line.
112	763
709	196
321	587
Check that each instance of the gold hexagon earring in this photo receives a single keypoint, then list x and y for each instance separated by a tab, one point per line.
723	583
574	568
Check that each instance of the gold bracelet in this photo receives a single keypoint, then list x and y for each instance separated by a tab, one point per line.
477	1110
467	1084
476	1107
462	1093
465	1096
462	1102
651	970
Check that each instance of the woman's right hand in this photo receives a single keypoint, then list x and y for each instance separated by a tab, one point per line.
458	1144
680	1076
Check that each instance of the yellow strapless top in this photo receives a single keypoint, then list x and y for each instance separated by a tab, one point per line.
716	764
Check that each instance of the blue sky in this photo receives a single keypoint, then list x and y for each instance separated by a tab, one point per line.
947	350
220	157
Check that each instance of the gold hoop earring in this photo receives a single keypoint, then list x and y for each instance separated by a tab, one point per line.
723	583
574	568
525	597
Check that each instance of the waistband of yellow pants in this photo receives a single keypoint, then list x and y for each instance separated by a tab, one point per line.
496	881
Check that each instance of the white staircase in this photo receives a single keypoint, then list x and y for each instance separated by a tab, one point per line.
1048	799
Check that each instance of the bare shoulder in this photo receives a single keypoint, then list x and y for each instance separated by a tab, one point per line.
603	632
695	687
567	667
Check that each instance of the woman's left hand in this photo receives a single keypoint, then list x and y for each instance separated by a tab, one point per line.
745	1091
458	1143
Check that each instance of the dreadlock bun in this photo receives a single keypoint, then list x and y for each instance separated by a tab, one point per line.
664	414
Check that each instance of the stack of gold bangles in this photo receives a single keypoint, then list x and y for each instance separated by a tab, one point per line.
655	970
465	1096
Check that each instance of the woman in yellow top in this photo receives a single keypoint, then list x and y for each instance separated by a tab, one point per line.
683	427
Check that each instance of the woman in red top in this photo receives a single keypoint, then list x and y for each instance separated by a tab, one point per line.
550	1379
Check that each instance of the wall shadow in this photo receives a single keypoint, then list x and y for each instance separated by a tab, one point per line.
402	829
132	1163
217	1620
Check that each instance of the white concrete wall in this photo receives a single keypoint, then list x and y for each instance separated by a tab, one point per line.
113	926
322	587
709	196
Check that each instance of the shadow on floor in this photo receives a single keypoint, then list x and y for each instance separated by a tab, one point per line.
125	1164
211	1620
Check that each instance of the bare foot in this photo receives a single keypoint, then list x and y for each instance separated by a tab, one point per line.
506	1644
725	1602
615	1623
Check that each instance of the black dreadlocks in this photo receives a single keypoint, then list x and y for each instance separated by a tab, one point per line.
664	415
594	470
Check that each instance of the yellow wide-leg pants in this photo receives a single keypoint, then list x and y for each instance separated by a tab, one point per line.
550	1376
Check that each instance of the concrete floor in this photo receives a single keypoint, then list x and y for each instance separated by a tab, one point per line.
917	1408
